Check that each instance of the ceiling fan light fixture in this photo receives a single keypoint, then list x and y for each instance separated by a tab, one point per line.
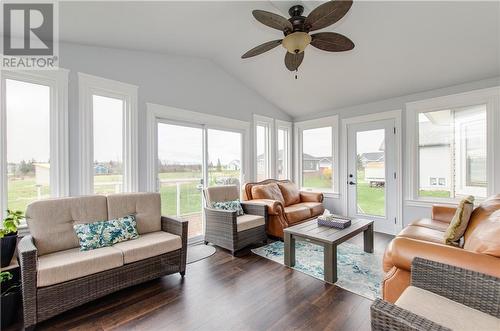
296	42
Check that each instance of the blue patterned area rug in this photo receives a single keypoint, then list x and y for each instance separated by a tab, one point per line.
357	271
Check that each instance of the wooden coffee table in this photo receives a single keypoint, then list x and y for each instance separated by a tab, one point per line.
329	238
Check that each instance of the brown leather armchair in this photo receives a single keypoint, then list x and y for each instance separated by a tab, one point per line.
424	238
286	205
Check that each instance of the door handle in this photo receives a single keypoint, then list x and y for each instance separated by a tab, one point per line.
351	183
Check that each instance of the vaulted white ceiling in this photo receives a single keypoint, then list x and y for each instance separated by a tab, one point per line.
401	47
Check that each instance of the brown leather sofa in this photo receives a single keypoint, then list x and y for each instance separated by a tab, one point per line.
286	205
424	238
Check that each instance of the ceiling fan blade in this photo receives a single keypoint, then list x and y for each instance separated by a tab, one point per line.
327	14
293	61
261	48
331	42
272	20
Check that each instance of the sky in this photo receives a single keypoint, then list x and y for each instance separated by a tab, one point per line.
183	144
28	114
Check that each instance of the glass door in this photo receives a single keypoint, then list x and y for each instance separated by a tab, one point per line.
180	173
224	157
371	181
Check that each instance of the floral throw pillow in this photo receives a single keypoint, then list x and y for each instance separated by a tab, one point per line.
106	233
233	205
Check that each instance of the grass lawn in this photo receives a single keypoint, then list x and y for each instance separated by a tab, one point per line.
371	200
23	191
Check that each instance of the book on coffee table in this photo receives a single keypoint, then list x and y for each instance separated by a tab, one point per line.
334	221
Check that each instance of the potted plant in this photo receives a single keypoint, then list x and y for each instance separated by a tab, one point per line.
8	235
9	298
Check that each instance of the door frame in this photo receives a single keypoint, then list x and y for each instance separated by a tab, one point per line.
387	115
170	115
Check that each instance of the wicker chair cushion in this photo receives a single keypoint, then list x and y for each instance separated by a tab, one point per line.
245	222
148	245
58	267
444	311
222	193
146	207
53	219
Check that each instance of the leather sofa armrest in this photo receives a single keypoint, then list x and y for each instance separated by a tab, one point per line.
28	256
402	251
311	197
443	213
274	207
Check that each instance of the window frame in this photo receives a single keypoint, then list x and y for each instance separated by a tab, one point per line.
287	157
489	97
89	85
57	81
269	145
299	127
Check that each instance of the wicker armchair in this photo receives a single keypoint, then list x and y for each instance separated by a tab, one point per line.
475	290
227	230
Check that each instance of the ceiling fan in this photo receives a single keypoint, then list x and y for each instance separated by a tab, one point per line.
296	30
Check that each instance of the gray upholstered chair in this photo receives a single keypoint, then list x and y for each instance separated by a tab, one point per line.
227	230
441	297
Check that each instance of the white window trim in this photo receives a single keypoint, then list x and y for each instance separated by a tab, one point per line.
57	80
288	127
89	85
271	142
330	121
157	112
488	96
387	115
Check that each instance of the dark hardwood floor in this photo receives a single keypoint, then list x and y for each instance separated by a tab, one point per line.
224	292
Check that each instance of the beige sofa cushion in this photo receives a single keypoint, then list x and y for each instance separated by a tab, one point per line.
445	312
148	245
51	221
62	266
247	221
145	206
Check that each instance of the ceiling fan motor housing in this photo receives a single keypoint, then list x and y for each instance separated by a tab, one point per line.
296	19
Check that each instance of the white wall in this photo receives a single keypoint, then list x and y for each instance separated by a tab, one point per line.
178	81
409	212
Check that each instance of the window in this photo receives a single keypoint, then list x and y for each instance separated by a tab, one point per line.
108	144
316	149
263	147
452	149
108	117
34	168
453	142
283	156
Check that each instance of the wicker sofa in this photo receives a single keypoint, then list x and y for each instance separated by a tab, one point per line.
441	297
286	205
57	276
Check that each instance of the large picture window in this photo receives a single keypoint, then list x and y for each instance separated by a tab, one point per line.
33	138
452	152
452	144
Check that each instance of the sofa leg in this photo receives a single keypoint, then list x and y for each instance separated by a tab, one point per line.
205	242
183	273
